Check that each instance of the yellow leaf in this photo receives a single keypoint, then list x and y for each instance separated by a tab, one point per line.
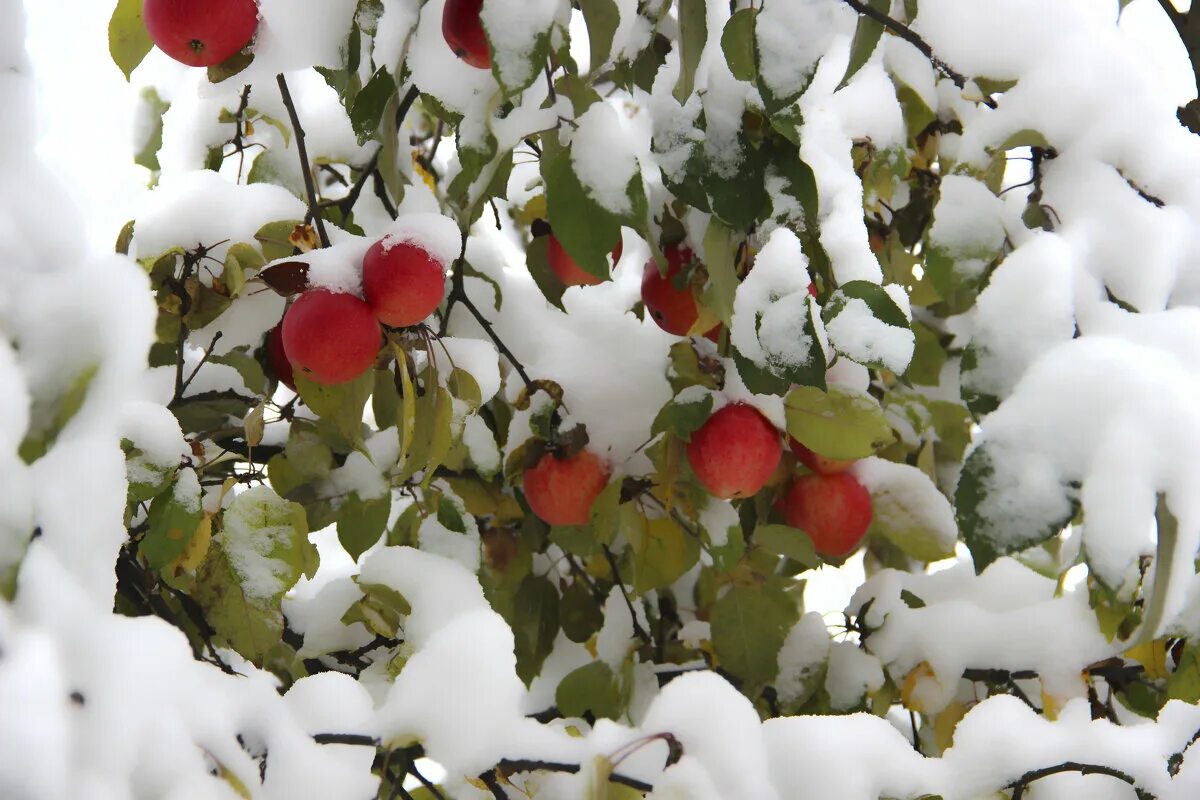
919	687
196	549
1152	656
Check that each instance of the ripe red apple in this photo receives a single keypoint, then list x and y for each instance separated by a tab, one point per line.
277	359
200	33
569	272
463	31
402	282
818	463
675	310
561	490
834	510
735	451
331	336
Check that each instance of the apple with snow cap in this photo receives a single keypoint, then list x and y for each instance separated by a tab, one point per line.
834	510
331	337
735	451
402	281
462	29
561	491
200	33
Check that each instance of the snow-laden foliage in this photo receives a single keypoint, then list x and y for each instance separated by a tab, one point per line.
948	245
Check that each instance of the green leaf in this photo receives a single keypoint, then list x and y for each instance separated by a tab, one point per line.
789	542
737	43
759	380
682	419
50	415
602	18
591	688
660	549
1184	683
151	112
246	365
693	34
585	229
866	39
534	622
231	66
720	252
579	612
749	625
173	518
361	523
929	357
128	41
368	106
274	237
994	523
537	260
882	306
259	555
340	403
381	609
839	423
910	512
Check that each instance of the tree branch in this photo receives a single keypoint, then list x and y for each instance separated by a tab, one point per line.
1018	786
458	294
511	766
305	165
909	35
612	563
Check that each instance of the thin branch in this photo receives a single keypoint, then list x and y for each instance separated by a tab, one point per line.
612	563
458	294
511	766
1018	786
305	165
382	193
183	385
1175	762
346	738
493	785
909	35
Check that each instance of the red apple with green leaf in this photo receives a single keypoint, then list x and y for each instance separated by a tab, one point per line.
566	268
735	451
561	490
672	306
834	510
200	33
331	337
818	463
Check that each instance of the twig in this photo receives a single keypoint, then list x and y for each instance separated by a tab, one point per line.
458	294
305	166
511	766
382	193
346	738
612	563
909	35
493	785
1175	762
183	386
1018	786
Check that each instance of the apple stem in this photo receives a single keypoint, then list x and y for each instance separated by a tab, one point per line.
314	210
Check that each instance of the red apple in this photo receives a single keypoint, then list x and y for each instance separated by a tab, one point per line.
561	490
200	33
674	309
818	463
277	358
463	30
569	272
834	510
735	451
402	282
331	336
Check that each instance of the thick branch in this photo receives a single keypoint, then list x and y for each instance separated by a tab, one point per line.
909	35
1018	786
305	165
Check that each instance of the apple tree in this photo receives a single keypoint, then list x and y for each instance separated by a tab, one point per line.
486	381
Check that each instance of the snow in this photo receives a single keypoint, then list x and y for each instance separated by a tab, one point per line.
858	334
602	157
1092	395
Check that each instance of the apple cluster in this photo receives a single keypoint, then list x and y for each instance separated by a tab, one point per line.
334	337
